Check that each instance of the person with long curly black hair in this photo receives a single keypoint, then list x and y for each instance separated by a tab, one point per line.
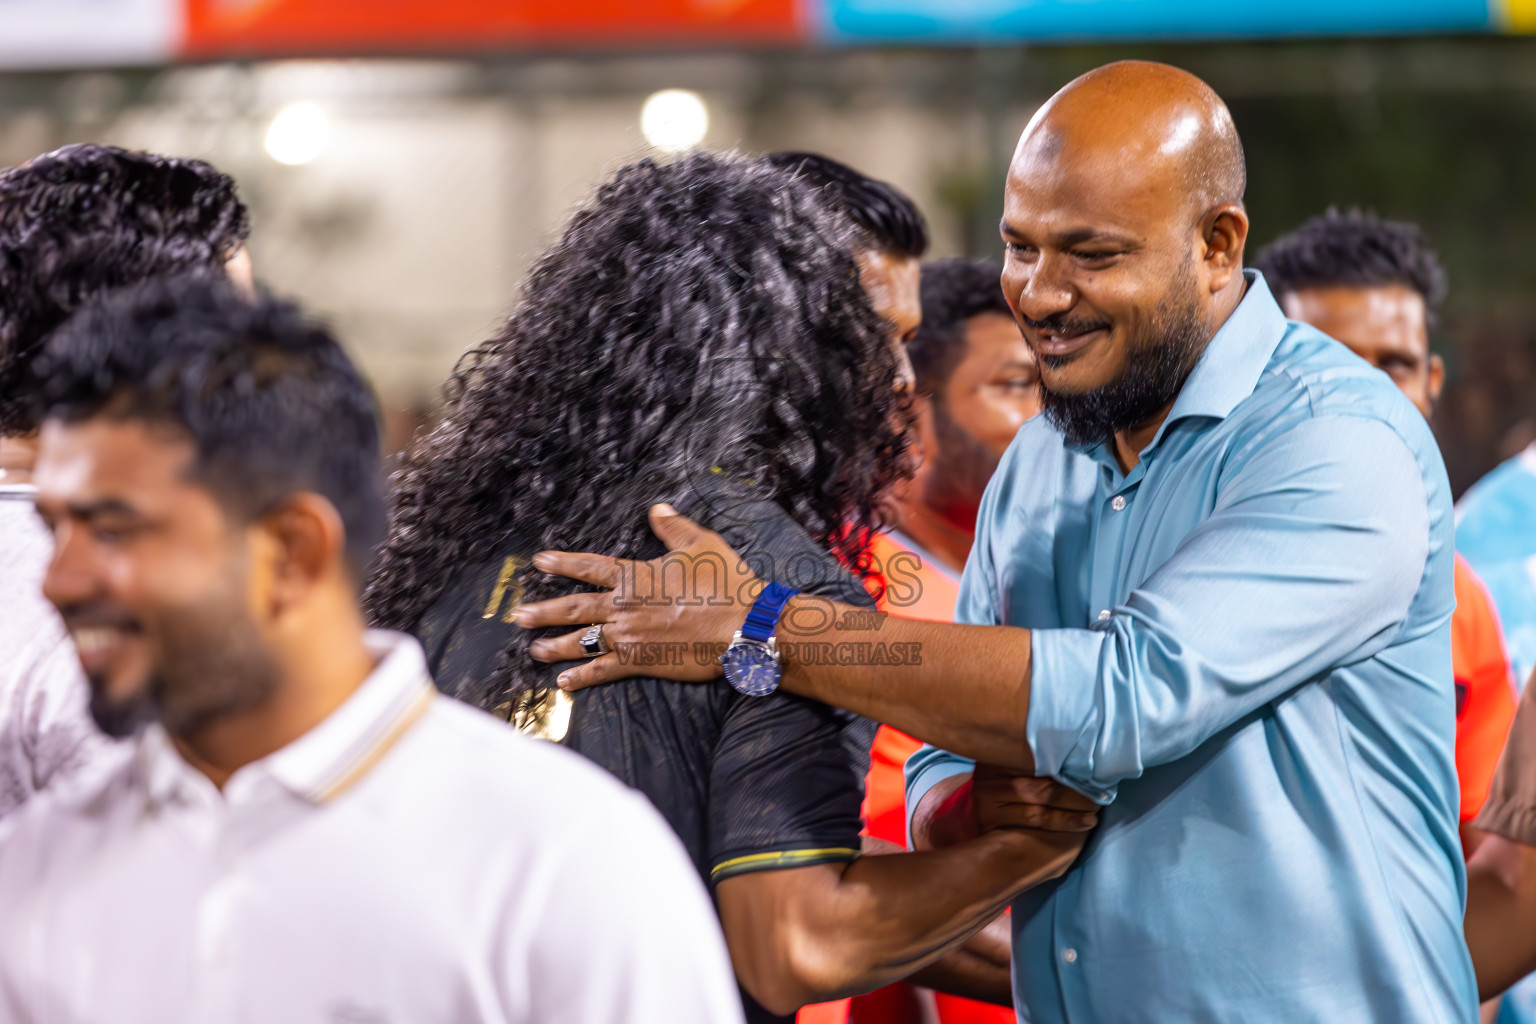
700	336
75	224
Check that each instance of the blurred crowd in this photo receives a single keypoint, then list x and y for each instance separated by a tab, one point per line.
774	623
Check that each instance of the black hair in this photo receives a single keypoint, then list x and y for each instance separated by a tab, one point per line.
84	220
1354	249
267	396
890	221
953	291
698	321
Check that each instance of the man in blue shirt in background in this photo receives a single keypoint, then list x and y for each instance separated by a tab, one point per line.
1211	589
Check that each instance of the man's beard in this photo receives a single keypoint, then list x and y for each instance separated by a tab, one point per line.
1157	366
961	468
212	663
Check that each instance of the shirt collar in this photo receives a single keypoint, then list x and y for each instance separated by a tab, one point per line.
1229	369
334	754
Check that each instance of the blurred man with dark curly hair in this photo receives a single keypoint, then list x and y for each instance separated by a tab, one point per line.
700	336
74	224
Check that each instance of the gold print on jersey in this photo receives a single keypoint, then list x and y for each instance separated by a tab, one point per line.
507	581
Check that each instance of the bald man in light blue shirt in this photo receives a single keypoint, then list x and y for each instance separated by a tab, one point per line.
1242	648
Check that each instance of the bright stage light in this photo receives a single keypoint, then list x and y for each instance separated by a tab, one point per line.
298	134
674	120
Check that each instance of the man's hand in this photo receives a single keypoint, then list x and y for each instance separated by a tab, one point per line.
963	807
693	599
1008	799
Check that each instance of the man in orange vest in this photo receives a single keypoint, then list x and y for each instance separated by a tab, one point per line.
977	382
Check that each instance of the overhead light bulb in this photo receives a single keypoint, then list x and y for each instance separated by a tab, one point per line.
674	120
298	134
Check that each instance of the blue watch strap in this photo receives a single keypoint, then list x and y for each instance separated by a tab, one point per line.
765	612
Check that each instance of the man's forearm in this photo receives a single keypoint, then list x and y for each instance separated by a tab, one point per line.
981	969
962	688
1501	913
847	931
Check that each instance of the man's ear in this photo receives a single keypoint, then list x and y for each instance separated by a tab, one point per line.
308	542
1224	230
1436	378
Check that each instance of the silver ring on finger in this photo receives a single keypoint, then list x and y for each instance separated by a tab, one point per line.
592	642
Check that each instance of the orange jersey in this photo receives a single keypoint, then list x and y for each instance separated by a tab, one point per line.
914	587
1485	693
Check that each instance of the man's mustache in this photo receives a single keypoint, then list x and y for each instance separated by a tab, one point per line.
1065	325
95	615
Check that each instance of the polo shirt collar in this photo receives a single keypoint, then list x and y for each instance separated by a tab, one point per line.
334	754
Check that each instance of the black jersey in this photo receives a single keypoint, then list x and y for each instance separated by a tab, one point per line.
747	783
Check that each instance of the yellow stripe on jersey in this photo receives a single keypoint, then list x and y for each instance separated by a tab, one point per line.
780	859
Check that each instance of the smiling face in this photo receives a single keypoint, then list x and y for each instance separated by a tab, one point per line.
1101	271
150	576
1123	230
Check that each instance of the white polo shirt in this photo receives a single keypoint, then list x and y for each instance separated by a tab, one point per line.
408	861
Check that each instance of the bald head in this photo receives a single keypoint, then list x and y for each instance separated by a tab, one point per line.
1125	228
1158	124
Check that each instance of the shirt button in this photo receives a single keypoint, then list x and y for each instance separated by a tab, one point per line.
1118	504
1069	955
1104	615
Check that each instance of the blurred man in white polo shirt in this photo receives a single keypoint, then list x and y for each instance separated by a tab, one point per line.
303	830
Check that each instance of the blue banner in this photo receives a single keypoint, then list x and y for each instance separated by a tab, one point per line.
983	21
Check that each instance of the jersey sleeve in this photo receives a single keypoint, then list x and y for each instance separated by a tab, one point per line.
785	786
787	777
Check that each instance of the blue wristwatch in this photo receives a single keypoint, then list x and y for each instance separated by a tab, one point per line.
752	661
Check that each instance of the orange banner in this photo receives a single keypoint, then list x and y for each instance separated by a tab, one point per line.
291	27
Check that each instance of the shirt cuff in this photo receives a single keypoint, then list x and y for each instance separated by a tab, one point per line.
1508	820
1062	729
926	769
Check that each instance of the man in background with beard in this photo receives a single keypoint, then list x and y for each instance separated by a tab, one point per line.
1211	588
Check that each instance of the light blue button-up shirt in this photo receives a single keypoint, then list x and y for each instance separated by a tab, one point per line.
1242	647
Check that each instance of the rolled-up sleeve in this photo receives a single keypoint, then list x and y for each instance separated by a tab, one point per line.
1310	559
925	769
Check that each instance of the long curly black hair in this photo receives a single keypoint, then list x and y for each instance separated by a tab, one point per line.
85	220
698	318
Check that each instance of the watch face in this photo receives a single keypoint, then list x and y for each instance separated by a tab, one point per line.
751	669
